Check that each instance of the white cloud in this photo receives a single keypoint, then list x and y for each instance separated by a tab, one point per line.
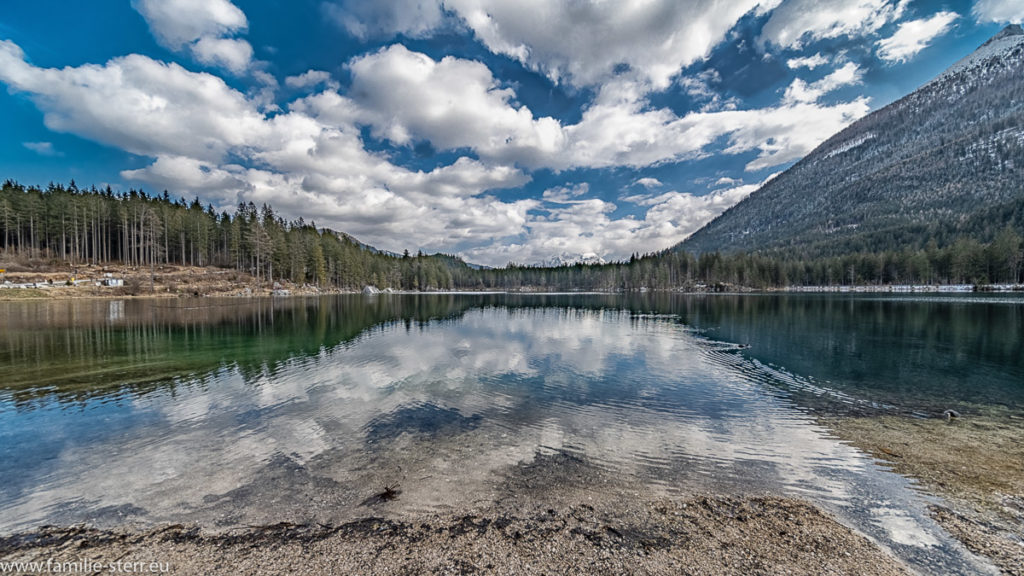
176	23
232	54
809	62
582	226
457	104
648	183
789	132
1002	11
797	21
138	104
700	88
201	26
311	78
618	131
413	18
42	148
579	43
565	194
184	173
800	91
454	103
913	36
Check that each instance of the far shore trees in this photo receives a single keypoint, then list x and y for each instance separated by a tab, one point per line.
65	225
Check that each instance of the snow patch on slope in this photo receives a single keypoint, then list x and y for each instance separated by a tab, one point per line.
998	46
850	145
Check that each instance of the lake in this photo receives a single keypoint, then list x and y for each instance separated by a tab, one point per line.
242	412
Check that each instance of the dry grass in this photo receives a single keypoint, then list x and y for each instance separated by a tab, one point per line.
23	294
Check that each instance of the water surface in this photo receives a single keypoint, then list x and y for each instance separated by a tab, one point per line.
241	412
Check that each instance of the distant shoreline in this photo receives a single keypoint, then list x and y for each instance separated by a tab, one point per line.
90	282
9	293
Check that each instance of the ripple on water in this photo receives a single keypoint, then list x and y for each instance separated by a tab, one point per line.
451	411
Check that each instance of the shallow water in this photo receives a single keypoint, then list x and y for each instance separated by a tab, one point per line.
232	413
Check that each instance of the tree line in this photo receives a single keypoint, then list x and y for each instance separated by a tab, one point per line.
67	224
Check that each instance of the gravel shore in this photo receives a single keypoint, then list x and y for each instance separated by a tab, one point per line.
702	535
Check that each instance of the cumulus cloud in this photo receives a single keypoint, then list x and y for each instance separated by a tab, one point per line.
232	54
42	148
800	91
309	158
619	131
311	78
913	36
179	22
565	194
584	43
454	103
203	27
579	43
796	21
457	104
648	183
184	173
1002	11
587	225
786	133
138	104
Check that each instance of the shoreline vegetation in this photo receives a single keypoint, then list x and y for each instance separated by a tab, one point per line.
175	281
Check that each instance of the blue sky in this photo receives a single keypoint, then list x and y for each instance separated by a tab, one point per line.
498	130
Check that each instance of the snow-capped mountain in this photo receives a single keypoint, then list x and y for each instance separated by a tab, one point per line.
568	259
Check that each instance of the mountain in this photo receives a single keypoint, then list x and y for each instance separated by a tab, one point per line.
945	161
366	246
567	259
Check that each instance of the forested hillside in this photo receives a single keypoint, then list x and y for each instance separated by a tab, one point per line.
944	163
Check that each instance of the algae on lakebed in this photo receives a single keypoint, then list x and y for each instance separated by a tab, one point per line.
975	462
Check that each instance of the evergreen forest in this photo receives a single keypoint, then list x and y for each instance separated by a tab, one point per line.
67	225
